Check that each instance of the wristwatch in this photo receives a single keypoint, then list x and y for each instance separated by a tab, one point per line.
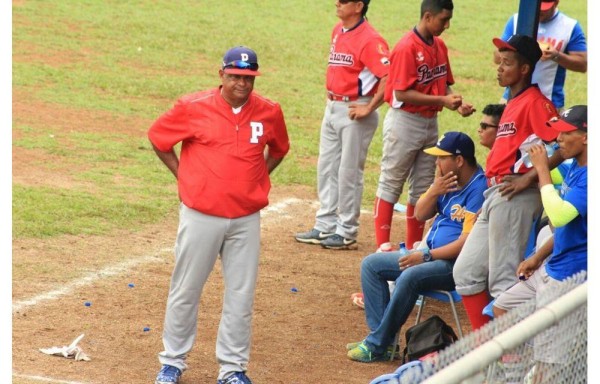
426	255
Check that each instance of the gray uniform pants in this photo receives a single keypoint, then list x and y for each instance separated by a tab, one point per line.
200	239
497	243
405	136
343	148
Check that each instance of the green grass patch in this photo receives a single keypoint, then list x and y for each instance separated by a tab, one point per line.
136	58
42	212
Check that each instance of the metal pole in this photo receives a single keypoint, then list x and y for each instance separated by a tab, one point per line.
529	16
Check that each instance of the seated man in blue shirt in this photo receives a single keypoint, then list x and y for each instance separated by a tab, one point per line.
455	196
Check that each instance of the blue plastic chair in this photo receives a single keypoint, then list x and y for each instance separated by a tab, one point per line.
451	297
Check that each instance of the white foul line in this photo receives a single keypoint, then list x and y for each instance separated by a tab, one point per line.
86	280
121	267
47	379
278	207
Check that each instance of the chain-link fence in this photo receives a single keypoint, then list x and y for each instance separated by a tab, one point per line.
531	344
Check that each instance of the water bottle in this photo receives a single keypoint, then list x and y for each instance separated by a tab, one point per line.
550	148
402	249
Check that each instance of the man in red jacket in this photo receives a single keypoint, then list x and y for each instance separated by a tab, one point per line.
231	140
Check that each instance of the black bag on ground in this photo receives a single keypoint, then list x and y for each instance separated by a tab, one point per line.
428	336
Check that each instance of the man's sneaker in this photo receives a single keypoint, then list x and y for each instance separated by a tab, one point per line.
388	352
236	378
350	346
363	354
338	242
168	375
313	236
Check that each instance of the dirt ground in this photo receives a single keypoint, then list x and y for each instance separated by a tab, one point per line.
298	337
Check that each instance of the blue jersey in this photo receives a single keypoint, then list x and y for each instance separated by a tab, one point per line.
457	211
565	35
570	241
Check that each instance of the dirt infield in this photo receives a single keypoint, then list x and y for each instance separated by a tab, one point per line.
298	337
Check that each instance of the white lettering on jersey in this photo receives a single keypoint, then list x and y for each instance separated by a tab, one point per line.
257	131
338	58
244	57
506	129
425	74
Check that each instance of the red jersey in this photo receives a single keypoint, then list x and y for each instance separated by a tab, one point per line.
222	170
523	123
358	58
417	65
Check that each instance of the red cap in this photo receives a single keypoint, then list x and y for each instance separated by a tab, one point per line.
547	4
571	119
526	46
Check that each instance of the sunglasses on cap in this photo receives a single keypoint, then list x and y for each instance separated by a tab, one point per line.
241	64
485	126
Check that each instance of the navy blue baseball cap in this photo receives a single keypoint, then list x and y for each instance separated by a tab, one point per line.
241	61
452	144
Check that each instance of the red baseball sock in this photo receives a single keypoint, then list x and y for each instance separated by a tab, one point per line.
383	213
474	305
414	227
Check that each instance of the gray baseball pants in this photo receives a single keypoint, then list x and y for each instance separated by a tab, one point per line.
539	286
405	136
200	239
497	243
343	148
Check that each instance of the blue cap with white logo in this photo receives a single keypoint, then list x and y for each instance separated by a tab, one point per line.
453	144
241	61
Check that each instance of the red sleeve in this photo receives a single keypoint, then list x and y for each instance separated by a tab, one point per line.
403	70
279	144
376	56
542	110
171	128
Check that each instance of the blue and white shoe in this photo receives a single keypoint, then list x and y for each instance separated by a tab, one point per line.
338	242
236	378
314	236
168	375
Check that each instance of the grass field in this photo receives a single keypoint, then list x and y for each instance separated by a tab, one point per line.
91	76
134	59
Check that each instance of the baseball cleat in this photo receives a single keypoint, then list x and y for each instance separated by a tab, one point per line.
338	242
313	236
358	299
385	247
168	375
236	378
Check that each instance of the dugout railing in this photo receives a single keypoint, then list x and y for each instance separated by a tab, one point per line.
503	350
